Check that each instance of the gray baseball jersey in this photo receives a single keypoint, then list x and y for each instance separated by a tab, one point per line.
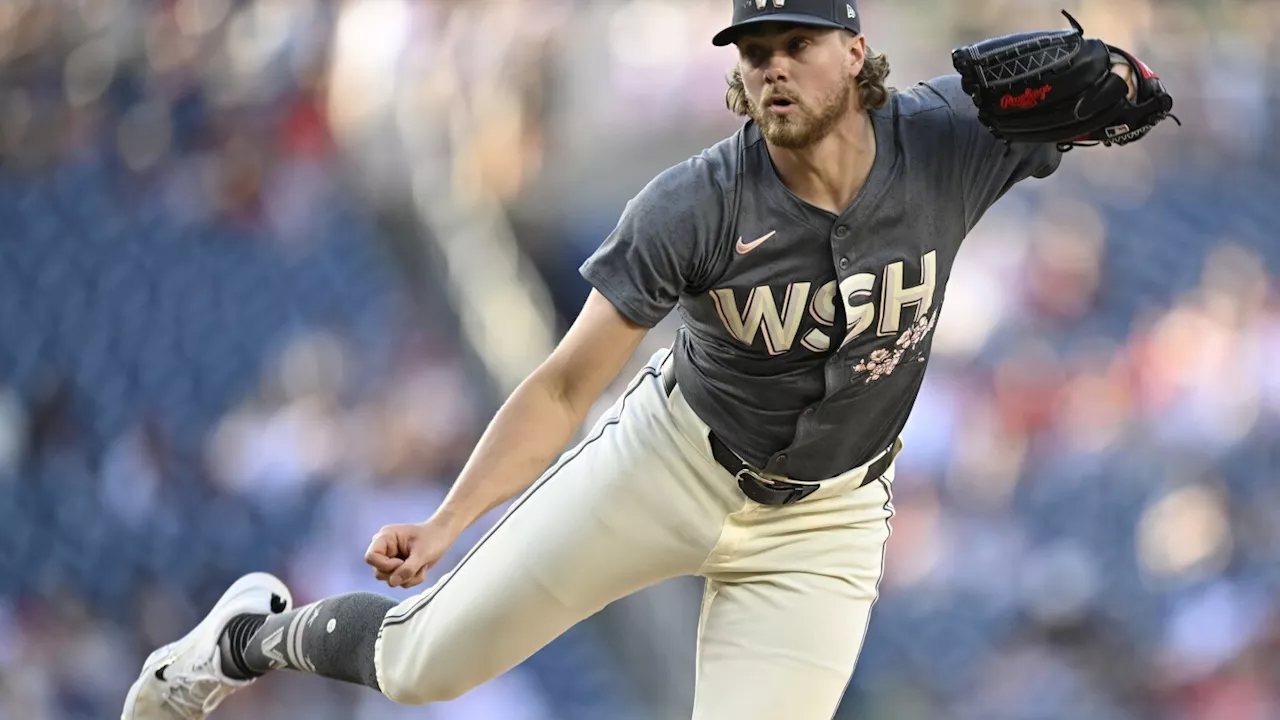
806	334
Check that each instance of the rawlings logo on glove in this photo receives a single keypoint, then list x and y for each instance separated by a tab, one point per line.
1029	98
1058	87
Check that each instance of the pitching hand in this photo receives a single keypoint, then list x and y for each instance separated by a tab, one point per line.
402	554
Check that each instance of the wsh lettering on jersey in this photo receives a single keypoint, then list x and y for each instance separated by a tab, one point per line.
779	325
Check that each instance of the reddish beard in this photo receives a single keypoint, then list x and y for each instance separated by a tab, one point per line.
807	123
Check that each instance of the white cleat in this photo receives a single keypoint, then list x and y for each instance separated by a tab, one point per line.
184	680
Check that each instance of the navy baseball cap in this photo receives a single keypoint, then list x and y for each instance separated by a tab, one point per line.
840	14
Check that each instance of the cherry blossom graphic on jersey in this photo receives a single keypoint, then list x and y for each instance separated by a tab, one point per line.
884	361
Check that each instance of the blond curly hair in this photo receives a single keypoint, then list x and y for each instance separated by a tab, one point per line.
873	92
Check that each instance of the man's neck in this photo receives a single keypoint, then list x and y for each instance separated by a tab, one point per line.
829	173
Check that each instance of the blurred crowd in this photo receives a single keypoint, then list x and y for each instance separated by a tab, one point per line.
211	363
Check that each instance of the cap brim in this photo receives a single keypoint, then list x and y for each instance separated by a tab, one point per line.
728	35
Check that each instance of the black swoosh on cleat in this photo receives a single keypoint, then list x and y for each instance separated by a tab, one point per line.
160	670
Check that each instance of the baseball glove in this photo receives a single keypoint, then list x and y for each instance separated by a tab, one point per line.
1057	86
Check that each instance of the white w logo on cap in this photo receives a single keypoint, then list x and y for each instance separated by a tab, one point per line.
776	4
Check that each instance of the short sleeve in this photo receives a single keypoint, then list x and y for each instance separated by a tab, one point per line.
989	167
661	244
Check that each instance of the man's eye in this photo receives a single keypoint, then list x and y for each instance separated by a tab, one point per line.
797	45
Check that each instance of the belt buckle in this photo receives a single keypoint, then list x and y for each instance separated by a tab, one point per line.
793	492
757	477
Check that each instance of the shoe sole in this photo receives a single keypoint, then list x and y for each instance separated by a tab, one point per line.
247	595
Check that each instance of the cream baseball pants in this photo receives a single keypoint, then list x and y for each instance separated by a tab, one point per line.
789	588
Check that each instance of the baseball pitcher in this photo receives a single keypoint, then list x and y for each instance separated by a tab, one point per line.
808	255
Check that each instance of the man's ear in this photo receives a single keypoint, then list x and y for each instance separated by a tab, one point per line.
856	46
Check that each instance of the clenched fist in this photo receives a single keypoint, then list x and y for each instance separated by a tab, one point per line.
401	555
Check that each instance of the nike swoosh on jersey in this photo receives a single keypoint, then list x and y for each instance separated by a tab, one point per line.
744	248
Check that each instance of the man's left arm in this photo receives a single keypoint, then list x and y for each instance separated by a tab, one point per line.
1061	88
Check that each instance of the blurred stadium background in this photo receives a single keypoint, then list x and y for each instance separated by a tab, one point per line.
268	266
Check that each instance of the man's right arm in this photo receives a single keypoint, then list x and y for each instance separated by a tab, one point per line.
660	244
535	423
544	412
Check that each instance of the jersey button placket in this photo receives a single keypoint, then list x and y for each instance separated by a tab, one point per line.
842	231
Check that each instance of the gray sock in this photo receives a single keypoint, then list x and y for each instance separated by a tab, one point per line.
333	638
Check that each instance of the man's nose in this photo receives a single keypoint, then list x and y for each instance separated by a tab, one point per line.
777	68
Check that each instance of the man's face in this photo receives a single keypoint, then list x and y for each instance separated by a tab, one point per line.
800	81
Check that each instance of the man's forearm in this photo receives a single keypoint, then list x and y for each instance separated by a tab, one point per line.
531	428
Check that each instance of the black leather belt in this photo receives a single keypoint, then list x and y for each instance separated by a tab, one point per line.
765	490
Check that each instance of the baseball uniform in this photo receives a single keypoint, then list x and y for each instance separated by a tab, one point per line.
758	451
